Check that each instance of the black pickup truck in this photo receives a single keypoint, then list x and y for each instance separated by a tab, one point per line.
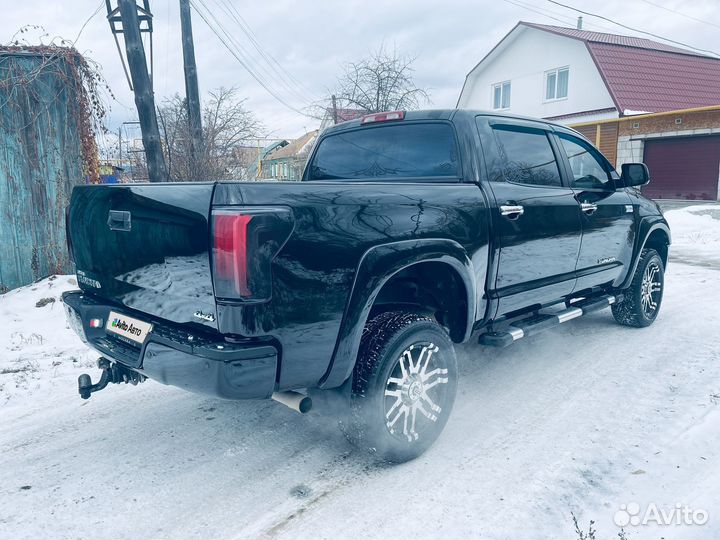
409	232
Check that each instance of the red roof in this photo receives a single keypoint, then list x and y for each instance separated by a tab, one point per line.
644	75
344	115
610	39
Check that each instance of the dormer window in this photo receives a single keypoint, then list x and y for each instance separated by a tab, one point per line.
501	95
556	83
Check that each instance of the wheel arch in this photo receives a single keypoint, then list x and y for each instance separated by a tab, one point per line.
654	234
659	240
377	269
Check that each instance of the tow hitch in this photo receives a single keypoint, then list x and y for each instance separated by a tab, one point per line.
111	373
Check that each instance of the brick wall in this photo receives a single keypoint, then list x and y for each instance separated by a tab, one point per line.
667	123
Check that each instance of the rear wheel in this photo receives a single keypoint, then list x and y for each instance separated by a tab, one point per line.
404	385
641	304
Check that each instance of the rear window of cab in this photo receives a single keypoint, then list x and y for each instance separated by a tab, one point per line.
390	152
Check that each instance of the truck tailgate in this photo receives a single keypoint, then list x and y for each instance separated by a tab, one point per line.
146	247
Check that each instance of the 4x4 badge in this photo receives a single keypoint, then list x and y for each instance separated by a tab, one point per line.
205	316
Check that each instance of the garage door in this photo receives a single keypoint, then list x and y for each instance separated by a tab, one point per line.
683	167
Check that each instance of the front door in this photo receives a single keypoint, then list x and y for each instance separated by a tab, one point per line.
536	222
607	214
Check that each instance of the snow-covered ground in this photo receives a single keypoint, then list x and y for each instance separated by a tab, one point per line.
583	419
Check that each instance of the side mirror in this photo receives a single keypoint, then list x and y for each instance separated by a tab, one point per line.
634	174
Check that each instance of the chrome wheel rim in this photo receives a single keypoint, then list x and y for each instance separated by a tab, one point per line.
651	290
415	392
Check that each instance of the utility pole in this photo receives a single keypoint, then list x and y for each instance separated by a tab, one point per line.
192	94
144	96
334	113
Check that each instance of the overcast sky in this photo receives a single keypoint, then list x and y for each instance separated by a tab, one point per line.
312	40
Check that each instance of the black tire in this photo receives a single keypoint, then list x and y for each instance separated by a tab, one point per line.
383	424
641	304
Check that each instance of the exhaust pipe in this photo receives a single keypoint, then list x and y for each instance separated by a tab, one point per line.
295	400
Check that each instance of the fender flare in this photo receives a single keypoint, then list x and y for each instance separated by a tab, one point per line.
378	265
647	226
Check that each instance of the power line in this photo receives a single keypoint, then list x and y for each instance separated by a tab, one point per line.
538	12
258	78
681	14
549	14
258	71
276	75
291	82
90	18
633	29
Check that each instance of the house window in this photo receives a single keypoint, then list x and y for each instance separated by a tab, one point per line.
501	95
556	83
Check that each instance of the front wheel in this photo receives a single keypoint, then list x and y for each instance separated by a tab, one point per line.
641	304
404	385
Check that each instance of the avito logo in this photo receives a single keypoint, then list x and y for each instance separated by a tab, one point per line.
633	514
122	325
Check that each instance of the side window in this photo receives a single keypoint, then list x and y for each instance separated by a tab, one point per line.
527	157
587	170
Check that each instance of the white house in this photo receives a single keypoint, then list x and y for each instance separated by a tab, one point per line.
572	75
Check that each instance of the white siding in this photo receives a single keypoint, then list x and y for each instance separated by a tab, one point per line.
523	58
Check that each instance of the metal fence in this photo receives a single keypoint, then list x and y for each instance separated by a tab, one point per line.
40	162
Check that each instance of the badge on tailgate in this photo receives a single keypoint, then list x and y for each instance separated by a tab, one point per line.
128	327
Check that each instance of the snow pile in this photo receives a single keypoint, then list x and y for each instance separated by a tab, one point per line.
37	348
695	234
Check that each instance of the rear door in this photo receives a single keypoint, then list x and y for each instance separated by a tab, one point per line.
536	221
607	214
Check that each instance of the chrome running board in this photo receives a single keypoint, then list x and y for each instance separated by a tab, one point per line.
539	322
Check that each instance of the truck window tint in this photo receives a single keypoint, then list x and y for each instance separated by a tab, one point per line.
588	171
527	157
393	152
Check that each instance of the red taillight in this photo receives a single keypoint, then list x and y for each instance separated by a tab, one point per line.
383	117
245	240
230	242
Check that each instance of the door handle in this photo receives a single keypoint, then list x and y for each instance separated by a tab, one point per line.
588	208
511	211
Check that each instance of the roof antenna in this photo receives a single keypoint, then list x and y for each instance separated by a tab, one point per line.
579	23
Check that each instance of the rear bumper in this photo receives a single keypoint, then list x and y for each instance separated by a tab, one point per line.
196	361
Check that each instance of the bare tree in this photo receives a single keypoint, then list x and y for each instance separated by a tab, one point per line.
227	128
381	82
